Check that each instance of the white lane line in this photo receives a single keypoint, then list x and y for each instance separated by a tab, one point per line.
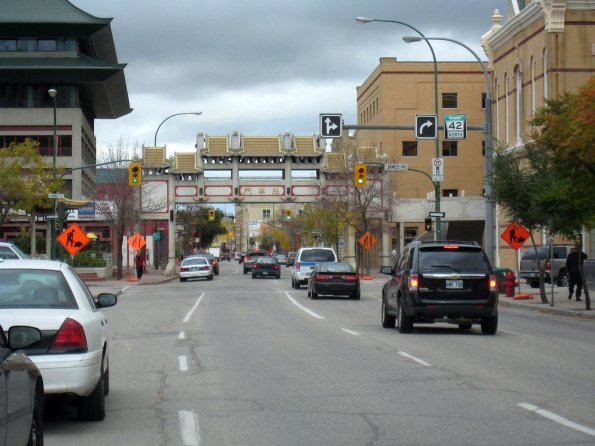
413	358
516	333
558	419
183	363
182	336
189	428
189	314
301	307
351	332
373	296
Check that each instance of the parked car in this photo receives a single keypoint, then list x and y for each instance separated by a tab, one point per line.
337	279
290	258
238	256
8	251
73	357
250	257
214	263
529	269
266	266
21	389
282	259
196	267
305	261
440	281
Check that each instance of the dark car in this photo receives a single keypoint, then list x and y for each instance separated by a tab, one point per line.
250	257
214	263
266	266
440	281
337	279
21	389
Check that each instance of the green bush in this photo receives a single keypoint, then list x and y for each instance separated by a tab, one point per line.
91	258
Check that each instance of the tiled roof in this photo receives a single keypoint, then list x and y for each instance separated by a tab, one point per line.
366	154
216	145
305	145
45	11
334	162
154	157
261	145
185	162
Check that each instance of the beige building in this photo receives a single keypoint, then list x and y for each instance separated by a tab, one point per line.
540	50
392	95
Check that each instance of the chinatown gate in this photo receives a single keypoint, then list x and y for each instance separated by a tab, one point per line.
287	170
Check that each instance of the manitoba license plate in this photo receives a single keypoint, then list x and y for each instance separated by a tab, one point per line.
454	284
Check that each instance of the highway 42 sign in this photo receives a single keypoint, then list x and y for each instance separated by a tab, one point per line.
455	127
331	125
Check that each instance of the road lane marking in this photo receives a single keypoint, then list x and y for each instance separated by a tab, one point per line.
189	428
373	296
516	333
301	307
558	419
189	314
413	358
182	336
351	332
183	363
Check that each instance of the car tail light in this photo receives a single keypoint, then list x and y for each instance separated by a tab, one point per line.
255	265
296	266
352	278
413	282
322	277
70	336
451	246
275	266
548	265
493	283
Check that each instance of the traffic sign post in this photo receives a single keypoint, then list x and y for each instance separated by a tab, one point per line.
426	126
455	126
437	169
331	125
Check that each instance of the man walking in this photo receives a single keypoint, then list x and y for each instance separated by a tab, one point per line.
574	277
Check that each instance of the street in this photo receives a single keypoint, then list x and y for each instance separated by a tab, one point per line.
237	361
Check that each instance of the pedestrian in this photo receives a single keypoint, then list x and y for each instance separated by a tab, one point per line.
139	263
574	277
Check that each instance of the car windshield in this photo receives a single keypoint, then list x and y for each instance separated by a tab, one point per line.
317	255
459	259
35	289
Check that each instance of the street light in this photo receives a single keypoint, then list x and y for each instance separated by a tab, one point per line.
171	116
52	92
364	20
488	141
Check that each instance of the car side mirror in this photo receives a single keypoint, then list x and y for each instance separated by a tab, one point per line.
106	300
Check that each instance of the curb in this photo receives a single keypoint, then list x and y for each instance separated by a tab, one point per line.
547	309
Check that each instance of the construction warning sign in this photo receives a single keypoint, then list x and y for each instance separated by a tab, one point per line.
73	239
136	242
367	240
515	235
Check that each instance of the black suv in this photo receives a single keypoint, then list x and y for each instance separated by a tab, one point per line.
442	281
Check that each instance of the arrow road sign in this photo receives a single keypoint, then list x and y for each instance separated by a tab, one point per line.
331	125
426	126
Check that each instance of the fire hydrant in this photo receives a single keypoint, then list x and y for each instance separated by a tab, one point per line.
509	284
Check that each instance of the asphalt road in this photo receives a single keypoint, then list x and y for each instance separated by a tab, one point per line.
237	361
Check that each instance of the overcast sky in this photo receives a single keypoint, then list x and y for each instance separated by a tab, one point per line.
266	66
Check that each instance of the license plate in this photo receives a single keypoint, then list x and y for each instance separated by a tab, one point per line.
454	284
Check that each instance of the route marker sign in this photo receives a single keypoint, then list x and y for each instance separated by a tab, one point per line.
331	125
73	239
455	126
426	126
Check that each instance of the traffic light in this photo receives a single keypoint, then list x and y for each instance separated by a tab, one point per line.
428	224
287	214
360	175
211	214
135	174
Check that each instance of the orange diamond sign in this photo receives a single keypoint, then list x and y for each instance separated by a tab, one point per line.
367	240
515	235
136	242
73	239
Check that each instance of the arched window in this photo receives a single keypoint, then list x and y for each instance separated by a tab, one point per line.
506	114
518	104
532	68
497	111
545	79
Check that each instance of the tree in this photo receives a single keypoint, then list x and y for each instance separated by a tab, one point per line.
25	179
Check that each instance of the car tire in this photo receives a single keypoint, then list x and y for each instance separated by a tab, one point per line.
293	283
388	320
278	276
106	381
465	326
254	276
489	325
245	271
309	292
355	296
92	407
36	434
534	284
183	279
314	294
404	322
210	277
562	281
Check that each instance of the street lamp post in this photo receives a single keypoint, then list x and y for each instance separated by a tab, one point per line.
52	92
438	232
488	141
169	117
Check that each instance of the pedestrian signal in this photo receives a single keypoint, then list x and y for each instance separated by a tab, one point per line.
360	172
428	224
211	214
135	174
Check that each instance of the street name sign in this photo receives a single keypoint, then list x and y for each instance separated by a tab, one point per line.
402	166
53	195
437	214
331	125
437	169
426	126
455	126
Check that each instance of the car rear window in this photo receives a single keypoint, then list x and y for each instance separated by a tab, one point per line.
318	255
35	289
459	258
196	261
336	268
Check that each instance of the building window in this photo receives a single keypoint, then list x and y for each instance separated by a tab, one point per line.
46	45
449	100
483	148
483	101
450	148
8	45
518	104
450	192
266	214
545	79
409	235
409	148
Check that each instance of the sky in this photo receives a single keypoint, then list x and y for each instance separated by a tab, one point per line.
265	67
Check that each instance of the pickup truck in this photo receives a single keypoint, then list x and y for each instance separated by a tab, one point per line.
555	267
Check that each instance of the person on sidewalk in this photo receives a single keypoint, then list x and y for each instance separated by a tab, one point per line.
574	277
139	263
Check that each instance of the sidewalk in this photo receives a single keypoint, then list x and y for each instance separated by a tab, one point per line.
150	277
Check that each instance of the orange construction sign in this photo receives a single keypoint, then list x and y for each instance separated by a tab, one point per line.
73	239
515	235
367	240
136	242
